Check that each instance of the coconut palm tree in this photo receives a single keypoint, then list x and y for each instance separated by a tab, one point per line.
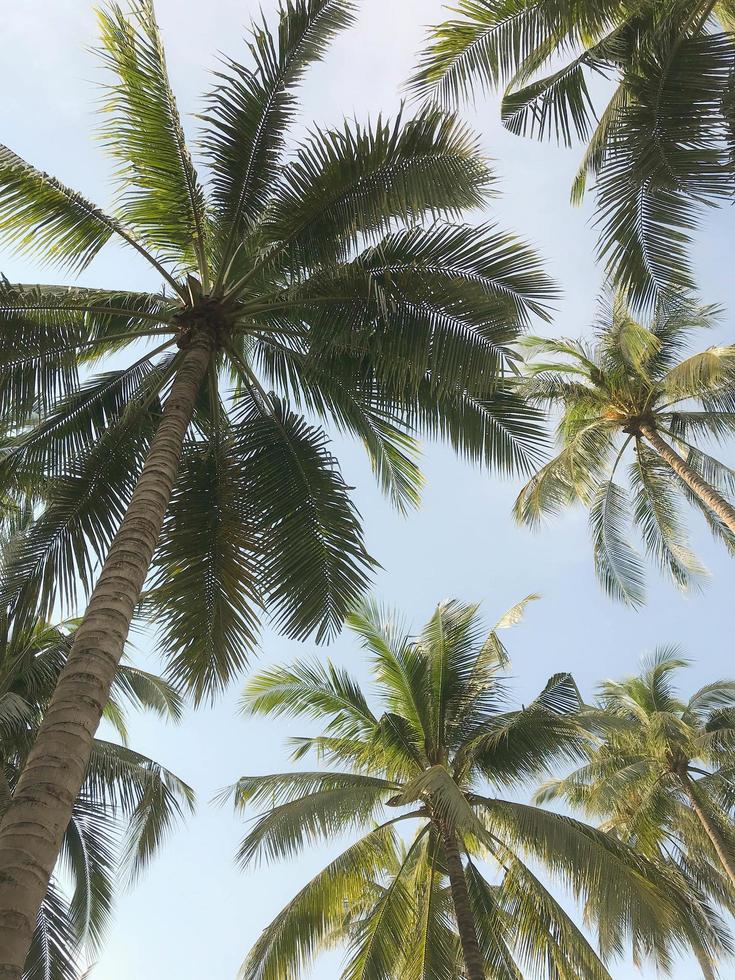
662	774
659	133
126	806
306	281
439	750
635	388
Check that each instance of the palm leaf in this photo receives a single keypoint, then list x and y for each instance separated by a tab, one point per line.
314	563
616	563
162	198
249	110
205	592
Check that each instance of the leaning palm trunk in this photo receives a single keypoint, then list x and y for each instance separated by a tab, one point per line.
704	492
35	822
710	827
462	909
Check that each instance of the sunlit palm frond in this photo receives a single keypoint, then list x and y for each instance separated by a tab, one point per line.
161	195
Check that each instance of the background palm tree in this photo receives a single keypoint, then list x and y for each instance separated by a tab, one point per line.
659	138
426	751
635	388
126	806
662	774
307	272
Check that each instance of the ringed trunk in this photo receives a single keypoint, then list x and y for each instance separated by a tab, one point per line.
462	908
707	494
713	831
34	823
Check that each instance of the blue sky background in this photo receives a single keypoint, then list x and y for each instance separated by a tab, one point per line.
194	915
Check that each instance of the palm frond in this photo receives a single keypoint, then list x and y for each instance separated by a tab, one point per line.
54	952
617	566
250	109
656	515
162	198
40	216
314	565
151	799
356	183
312	690
481	50
312	920
205	589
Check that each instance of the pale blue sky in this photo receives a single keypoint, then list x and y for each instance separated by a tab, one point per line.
194	915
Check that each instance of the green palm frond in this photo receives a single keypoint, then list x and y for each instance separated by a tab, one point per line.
341	803
88	855
483	48
655	513
151	799
42	217
313	690
633	898
616	563
312	920
144	690
356	183
305	517
553	942
661	148
54	952
51	557
250	109
379	944
161	195
203	594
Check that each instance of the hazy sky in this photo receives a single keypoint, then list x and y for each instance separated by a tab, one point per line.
194	915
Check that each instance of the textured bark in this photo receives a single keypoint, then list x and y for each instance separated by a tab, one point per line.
33	826
711	828
462	909
707	494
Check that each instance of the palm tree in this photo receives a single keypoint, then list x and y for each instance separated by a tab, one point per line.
126	806
634	388
662	775
659	135
309	273
437	740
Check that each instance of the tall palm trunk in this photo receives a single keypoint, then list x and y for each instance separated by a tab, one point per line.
462	908
707	494
711	828
33	826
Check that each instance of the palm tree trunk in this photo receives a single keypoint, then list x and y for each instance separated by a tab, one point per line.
713	831
462	909
707	494
34	823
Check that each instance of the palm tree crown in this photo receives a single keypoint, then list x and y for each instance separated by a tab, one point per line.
127	804
427	752
659	137
635	388
308	274
662	774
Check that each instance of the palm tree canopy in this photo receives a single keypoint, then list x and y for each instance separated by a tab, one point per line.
605	391
659	134
438	738
647	739
127	806
333	280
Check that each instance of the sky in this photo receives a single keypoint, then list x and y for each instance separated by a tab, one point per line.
194	914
